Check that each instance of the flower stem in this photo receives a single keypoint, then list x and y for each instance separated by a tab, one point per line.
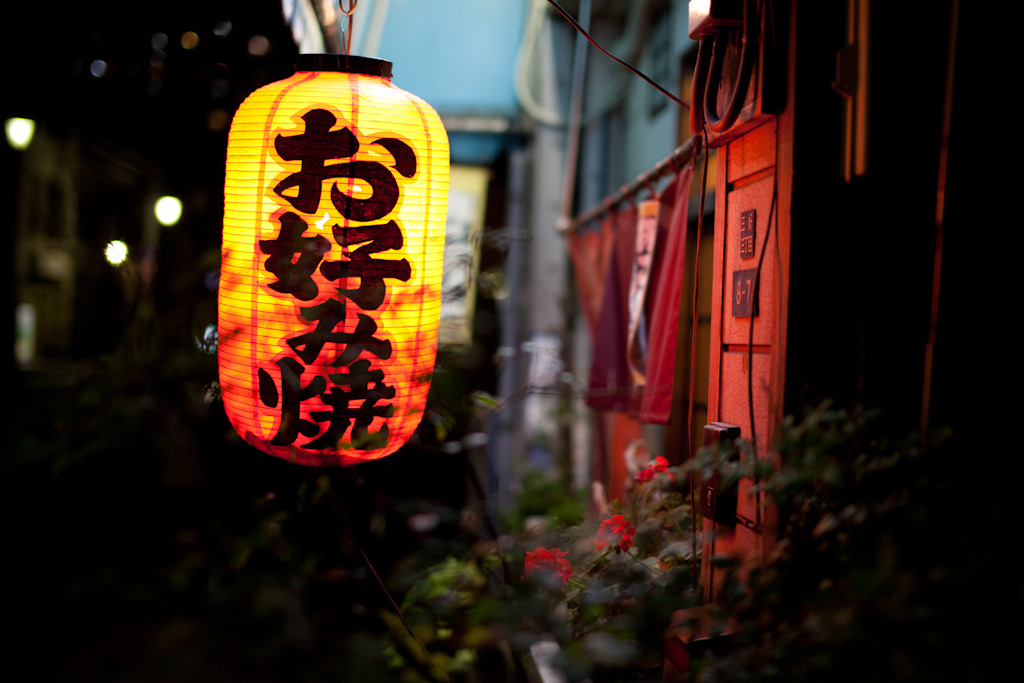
650	569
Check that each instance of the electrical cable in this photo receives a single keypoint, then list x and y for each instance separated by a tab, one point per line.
695	320
940	212
433	670
716	121
707	79
610	95
754	299
568	17
700	82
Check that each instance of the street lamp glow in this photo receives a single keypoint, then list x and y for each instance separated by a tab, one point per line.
116	252
167	210
19	132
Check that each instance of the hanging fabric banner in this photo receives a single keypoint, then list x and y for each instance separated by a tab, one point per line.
666	293
643	262
590	250
610	385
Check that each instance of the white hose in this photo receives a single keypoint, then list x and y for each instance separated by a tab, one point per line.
627	46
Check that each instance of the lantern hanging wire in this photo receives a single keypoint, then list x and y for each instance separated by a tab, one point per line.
348	31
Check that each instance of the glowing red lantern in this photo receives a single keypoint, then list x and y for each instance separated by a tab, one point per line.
335	200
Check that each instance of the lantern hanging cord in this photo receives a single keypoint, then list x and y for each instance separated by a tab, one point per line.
568	17
348	31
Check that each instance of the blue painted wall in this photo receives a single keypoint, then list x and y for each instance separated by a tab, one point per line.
458	55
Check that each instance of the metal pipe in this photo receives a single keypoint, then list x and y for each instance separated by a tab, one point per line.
327	16
670	164
505	446
572	143
375	29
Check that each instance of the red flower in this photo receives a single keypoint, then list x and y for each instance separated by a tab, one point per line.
615	530
659	465
550	565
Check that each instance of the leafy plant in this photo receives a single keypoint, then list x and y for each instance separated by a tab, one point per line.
612	584
548	496
872	571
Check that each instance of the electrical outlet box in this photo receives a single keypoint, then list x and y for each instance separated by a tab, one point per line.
709	16
739	82
717	502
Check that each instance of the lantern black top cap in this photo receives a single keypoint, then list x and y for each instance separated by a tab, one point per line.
344	63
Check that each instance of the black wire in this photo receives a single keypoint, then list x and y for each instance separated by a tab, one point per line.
433	671
754	304
749	40
700	81
666	93
695	320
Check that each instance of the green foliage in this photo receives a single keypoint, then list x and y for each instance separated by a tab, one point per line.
447	587
548	496
611	617
873	573
475	616
443	623
149	542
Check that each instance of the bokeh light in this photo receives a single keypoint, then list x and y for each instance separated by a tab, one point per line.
167	210
19	132
258	46
116	252
218	120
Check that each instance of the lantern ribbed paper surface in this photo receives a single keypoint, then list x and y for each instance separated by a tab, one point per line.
335	203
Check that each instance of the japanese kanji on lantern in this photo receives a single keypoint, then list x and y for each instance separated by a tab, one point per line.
335	201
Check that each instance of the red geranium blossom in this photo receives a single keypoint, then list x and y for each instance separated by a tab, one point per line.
659	465
549	564
617	531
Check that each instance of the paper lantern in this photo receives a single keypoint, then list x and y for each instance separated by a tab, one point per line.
335	200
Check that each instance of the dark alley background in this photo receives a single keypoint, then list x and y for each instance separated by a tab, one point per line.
145	540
